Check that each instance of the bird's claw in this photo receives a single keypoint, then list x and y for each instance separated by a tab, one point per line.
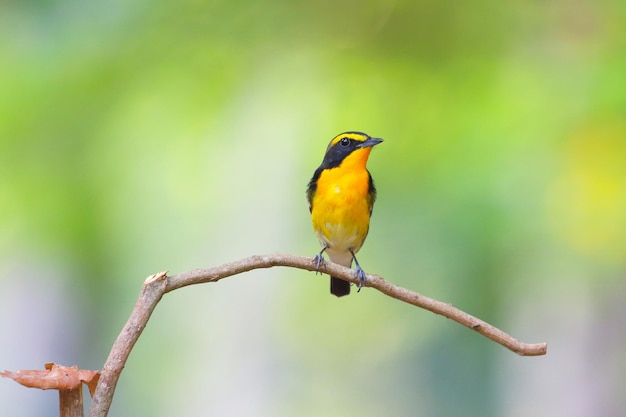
360	274
319	261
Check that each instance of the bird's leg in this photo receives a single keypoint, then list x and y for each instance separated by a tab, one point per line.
360	274
319	260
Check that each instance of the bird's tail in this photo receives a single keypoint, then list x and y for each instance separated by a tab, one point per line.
339	287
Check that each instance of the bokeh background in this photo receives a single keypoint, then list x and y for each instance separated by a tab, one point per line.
139	136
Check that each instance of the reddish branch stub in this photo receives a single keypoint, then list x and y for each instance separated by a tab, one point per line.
55	376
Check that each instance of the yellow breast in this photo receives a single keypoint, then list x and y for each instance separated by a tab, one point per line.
341	206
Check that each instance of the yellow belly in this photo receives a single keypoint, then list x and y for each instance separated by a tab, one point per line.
341	212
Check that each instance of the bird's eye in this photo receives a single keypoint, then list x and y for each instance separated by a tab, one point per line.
345	142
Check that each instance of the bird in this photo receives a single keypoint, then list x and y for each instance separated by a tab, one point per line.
341	197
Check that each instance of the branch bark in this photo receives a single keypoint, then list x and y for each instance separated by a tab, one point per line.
159	284
71	402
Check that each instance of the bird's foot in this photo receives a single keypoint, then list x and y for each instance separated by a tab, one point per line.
318	260
360	274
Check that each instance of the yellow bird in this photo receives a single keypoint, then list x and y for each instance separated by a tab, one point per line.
341	196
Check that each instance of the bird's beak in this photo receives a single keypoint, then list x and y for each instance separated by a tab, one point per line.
369	143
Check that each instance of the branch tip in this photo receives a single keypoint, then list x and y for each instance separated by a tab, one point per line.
156	277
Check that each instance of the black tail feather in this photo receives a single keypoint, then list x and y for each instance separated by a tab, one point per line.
339	287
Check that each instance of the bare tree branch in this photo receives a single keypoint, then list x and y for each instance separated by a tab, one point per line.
157	285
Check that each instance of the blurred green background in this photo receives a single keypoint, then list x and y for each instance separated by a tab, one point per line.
139	136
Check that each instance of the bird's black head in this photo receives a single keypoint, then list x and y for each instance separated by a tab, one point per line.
343	145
